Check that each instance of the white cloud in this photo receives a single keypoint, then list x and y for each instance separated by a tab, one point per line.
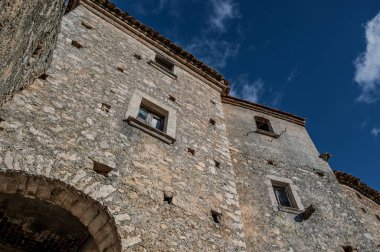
222	12
375	132
368	64
292	74
247	90
212	51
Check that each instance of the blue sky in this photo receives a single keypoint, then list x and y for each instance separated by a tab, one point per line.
316	59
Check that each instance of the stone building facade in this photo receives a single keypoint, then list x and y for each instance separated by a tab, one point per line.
126	142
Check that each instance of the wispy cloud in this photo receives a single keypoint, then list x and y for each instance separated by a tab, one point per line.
375	132
222	12
246	89
212	51
292	74
368	64
210	45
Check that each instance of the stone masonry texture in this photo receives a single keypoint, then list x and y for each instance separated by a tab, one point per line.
335	223
68	149
57	128
28	32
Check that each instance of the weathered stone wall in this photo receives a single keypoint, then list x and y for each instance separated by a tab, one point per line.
367	210
334	224
28	32
57	128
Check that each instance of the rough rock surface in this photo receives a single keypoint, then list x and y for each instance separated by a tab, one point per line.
335	222
28	32
57	128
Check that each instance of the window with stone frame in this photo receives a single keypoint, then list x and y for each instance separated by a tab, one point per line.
283	194
164	62
263	124
152	116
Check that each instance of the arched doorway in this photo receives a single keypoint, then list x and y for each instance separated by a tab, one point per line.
41	214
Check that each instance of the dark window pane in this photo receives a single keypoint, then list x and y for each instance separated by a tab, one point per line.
143	114
165	62
263	126
158	122
282	197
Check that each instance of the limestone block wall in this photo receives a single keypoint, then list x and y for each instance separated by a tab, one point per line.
367	211
63	124
293	156
28	32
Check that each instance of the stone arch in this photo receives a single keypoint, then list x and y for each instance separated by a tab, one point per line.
85	209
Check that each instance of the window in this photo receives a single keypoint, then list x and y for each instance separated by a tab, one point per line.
164	62
264	127
282	196
263	124
164	65
151	118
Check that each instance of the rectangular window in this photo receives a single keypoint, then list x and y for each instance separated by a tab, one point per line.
151	118
282	196
164	62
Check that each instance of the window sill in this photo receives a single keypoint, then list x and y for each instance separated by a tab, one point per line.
150	130
267	133
162	69
289	210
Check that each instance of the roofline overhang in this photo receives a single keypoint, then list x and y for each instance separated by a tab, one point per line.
154	40
264	109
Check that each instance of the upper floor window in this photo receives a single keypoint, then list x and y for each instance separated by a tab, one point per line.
263	124
164	62
152	118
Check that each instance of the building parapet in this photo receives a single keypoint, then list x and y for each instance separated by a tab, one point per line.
355	183
264	109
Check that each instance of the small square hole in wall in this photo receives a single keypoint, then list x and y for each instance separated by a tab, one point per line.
172	98
191	151
106	107
270	162
168	198
348	249
101	169
120	69
43	76
364	211
320	173
89	27
217	164
216	216
212	122
76	44
137	56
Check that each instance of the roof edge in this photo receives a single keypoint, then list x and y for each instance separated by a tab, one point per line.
264	109
355	183
152	36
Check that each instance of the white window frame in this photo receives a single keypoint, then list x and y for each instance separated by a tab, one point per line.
139	98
